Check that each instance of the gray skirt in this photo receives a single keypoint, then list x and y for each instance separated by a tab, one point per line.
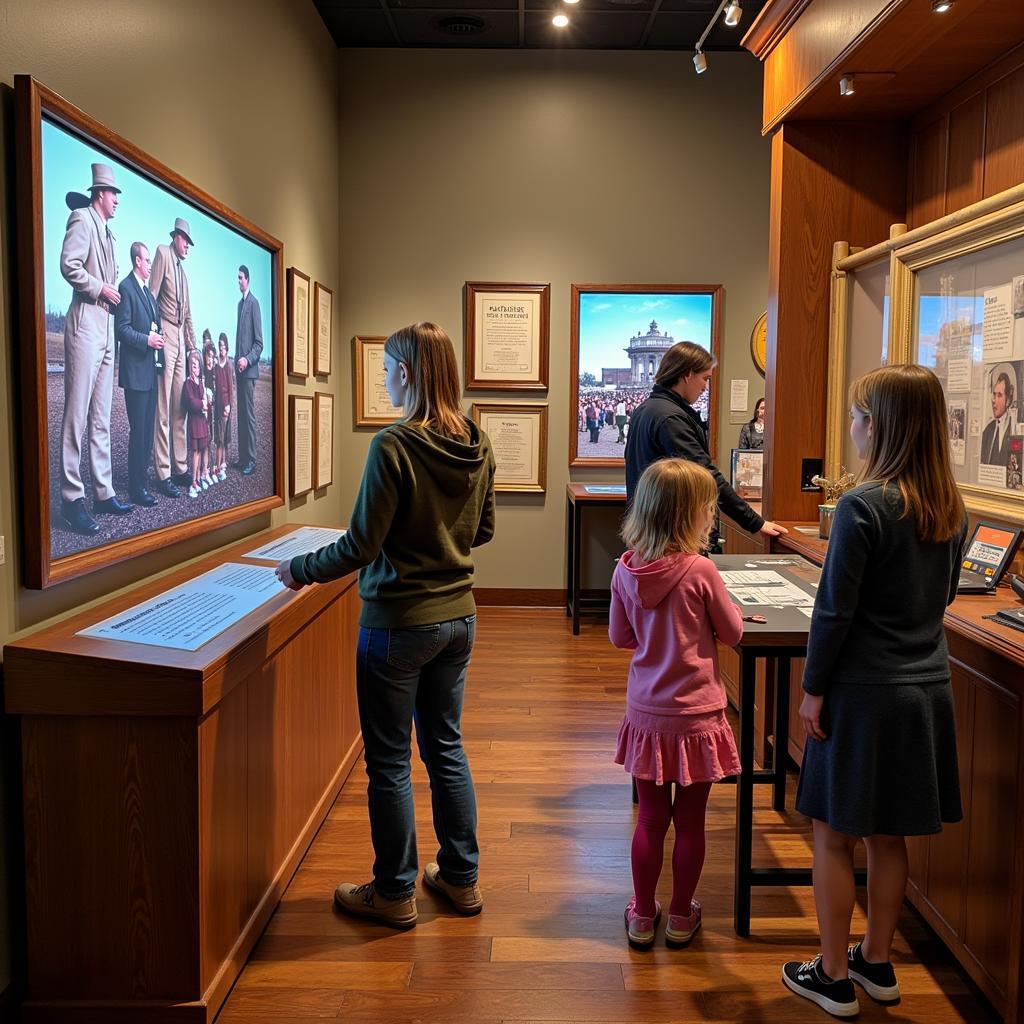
888	764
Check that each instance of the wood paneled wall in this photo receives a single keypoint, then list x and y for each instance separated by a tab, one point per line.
829	181
970	144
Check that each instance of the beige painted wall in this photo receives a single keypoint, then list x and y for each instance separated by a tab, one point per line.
547	166
242	99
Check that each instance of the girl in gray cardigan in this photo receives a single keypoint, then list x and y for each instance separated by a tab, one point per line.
880	758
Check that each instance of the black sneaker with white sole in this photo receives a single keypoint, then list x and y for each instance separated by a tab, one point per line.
810	981
878	980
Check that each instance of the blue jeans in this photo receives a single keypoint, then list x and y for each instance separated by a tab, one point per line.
405	676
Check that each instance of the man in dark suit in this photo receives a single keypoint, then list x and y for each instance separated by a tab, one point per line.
995	438
137	330
248	347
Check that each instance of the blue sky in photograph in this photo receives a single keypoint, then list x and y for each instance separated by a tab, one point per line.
609	319
146	214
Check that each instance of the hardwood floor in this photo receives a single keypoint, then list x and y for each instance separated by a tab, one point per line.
542	711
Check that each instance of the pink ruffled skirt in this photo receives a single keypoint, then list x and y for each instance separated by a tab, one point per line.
677	748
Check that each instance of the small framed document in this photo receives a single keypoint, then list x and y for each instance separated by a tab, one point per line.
298	323
300	444
519	439
372	406
747	472
507	336
323	436
323	310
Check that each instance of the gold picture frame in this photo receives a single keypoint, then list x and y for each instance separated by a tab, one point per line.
759	343
508	336
518	432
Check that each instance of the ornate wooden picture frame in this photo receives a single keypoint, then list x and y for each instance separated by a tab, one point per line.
518	432
507	336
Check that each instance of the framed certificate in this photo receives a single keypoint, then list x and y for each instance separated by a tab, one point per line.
519	440
323	439
298	323
372	406
300	444
507	336
323	309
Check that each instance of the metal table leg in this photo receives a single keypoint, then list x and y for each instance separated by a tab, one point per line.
577	551
780	749
745	795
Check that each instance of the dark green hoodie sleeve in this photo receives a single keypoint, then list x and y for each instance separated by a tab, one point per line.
485	530
370	522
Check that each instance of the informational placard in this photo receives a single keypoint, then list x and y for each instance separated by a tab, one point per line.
764	587
297	542
301	444
519	440
508	336
192	613
997	325
738	391
605	488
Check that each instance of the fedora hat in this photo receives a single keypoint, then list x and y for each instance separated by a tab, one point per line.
181	228
102	177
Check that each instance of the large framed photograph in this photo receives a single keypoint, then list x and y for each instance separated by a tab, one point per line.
323	312
519	440
298	323
620	332
372	405
507	336
323	438
747	472
300	444
151	349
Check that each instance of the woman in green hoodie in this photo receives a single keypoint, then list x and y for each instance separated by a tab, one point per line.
426	499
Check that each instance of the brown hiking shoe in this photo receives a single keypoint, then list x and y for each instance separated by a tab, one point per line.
365	901
466	899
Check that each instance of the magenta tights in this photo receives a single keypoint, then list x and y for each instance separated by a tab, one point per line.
657	810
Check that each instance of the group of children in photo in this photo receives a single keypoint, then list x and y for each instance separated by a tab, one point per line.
208	397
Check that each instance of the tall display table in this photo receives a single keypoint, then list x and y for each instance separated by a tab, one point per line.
169	796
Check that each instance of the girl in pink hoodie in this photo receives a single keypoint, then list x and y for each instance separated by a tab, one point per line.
668	606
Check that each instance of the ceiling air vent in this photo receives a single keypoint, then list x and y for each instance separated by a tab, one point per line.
462	25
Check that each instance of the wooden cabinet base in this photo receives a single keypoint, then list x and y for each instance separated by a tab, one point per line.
158	843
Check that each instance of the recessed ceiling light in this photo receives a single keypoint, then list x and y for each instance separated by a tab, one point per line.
700	62
941	6
571	1
559	21
846	87
733	13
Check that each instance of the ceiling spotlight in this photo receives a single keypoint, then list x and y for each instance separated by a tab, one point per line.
700	62
846	85
571	1
941	6
559	21
733	13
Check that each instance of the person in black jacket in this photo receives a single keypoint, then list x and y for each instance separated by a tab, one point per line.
667	426
137	329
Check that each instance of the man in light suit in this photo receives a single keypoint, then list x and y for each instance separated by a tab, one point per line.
137	329
87	264
995	438
169	286
248	347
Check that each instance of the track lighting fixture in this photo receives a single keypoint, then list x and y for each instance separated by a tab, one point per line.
559	21
700	62
733	13
846	86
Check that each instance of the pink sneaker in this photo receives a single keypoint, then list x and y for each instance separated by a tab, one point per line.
641	929
681	929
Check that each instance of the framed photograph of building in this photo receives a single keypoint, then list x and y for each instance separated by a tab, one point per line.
151	349
372	405
507	336
298	323
323	334
300	444
747	472
619	334
323	438
519	440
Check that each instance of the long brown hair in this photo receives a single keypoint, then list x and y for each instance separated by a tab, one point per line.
682	358
432	400
909	445
670	510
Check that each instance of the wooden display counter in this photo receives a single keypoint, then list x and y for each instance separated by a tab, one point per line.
169	796
968	881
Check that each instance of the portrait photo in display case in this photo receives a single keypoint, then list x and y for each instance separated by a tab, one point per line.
620	332
151	379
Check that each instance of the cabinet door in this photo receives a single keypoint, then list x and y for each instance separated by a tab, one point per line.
995	809
947	852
